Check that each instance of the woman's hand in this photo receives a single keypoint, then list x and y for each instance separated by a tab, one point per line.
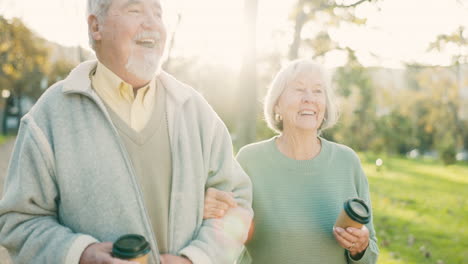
354	240
217	203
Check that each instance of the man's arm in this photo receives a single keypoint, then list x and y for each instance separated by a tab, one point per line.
29	227
221	241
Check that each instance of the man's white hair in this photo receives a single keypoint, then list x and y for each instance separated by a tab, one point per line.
98	8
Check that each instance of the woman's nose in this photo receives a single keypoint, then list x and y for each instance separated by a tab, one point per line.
307	96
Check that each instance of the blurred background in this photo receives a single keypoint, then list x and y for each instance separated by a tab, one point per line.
399	68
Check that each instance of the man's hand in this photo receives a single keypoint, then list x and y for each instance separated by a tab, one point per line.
171	259
100	253
217	203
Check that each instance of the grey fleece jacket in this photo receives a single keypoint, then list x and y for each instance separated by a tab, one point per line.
71	183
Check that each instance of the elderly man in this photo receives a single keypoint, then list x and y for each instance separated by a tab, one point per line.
122	147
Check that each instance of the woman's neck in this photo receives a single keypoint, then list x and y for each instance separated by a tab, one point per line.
299	145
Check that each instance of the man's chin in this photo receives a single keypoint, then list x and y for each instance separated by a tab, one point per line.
144	69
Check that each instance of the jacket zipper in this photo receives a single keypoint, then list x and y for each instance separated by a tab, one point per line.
131	168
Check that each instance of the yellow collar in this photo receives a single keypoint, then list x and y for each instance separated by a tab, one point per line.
79	81
103	77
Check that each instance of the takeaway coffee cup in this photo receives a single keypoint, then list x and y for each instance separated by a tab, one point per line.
355	214
131	247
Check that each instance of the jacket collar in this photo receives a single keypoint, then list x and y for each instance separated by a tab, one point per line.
78	81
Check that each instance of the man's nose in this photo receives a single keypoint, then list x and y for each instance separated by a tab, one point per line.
150	21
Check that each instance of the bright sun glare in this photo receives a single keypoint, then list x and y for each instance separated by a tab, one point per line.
211	30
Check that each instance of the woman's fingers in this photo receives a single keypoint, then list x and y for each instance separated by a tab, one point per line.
353	239
212	211
220	205
343	238
226	197
359	233
345	235
217	203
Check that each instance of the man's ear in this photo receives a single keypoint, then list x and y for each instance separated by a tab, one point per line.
94	27
276	109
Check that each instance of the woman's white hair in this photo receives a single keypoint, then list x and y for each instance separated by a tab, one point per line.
283	78
98	8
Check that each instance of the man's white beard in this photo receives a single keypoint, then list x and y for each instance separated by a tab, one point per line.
145	68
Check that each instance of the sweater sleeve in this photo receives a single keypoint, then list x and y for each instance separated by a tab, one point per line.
29	227
372	252
220	241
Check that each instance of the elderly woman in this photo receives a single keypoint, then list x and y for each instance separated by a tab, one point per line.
301	180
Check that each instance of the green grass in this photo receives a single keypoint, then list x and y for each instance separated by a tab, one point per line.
423	201
2	139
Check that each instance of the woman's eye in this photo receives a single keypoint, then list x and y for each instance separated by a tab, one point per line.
135	11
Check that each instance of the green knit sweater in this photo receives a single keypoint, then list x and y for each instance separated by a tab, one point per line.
296	203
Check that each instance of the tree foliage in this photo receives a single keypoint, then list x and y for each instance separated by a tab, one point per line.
326	14
23	58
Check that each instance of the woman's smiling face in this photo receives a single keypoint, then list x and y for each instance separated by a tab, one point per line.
302	104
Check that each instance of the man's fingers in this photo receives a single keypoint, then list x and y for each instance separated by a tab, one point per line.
121	261
106	246
99	253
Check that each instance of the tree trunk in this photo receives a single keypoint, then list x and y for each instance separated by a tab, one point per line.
247	98
296	44
456	109
167	63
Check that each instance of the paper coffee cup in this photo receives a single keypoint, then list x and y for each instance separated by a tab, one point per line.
355	214
131	247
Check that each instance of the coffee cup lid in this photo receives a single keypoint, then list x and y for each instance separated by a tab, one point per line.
357	210
130	246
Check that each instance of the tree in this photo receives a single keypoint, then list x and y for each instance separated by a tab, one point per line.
58	71
23	58
306	11
443	43
435	103
354	85
247	99
167	63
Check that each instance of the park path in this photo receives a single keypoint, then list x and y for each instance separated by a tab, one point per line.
5	153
